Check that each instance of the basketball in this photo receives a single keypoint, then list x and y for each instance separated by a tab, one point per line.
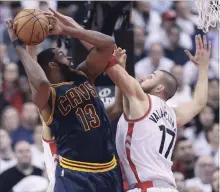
32	26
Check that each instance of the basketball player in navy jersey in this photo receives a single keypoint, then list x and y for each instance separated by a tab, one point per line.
70	106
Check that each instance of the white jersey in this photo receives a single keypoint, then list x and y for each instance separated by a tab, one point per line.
145	145
51	159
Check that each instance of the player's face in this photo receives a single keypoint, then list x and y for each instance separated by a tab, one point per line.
148	84
64	62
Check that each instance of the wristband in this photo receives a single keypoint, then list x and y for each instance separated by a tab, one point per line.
16	43
112	62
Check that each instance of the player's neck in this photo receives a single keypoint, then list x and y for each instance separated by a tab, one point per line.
55	79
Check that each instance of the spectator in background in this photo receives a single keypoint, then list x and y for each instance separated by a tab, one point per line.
11	91
186	21
3	56
197	134
213	97
213	36
161	6
155	61
184	157
5	13
10	120
183	93
215	181
139	38
145	17
180	181
204	169
174	51
213	142
168	20
37	148
7	157
11	177
29	120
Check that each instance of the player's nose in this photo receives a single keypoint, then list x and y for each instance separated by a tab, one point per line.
69	58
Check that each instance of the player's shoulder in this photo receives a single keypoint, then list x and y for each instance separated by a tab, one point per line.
79	73
158	102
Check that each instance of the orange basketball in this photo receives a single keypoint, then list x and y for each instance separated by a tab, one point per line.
32	26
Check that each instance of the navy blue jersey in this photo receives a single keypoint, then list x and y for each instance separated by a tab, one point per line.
79	122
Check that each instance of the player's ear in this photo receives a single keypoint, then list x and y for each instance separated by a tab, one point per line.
160	88
52	64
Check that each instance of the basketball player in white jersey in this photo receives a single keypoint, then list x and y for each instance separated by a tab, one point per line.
147	130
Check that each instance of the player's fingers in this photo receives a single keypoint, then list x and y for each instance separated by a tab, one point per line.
10	23
205	42
123	51
188	54
197	44
47	13
200	42
56	14
119	49
15	26
209	47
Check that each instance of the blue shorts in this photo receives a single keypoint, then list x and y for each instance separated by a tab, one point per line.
75	181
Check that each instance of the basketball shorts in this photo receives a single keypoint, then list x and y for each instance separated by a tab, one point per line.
76	181
154	189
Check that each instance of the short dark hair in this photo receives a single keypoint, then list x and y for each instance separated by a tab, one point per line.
170	83
44	57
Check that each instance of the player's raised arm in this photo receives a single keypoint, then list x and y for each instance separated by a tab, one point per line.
68	21
98	57
129	86
36	75
186	112
115	109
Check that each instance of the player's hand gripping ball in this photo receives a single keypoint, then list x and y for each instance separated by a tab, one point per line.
31	26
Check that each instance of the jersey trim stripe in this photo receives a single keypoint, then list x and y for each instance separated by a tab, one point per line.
145	115
128	150
48	140
88	167
62	83
53	92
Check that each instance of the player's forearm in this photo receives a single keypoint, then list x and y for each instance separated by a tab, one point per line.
32	50
97	39
35	73
122	79
87	45
201	90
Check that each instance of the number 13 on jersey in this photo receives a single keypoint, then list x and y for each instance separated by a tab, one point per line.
84	113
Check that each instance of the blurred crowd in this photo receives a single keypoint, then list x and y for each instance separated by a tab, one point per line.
162	31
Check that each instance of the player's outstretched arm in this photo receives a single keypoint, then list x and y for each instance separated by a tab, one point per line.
36	76
186	112
115	110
